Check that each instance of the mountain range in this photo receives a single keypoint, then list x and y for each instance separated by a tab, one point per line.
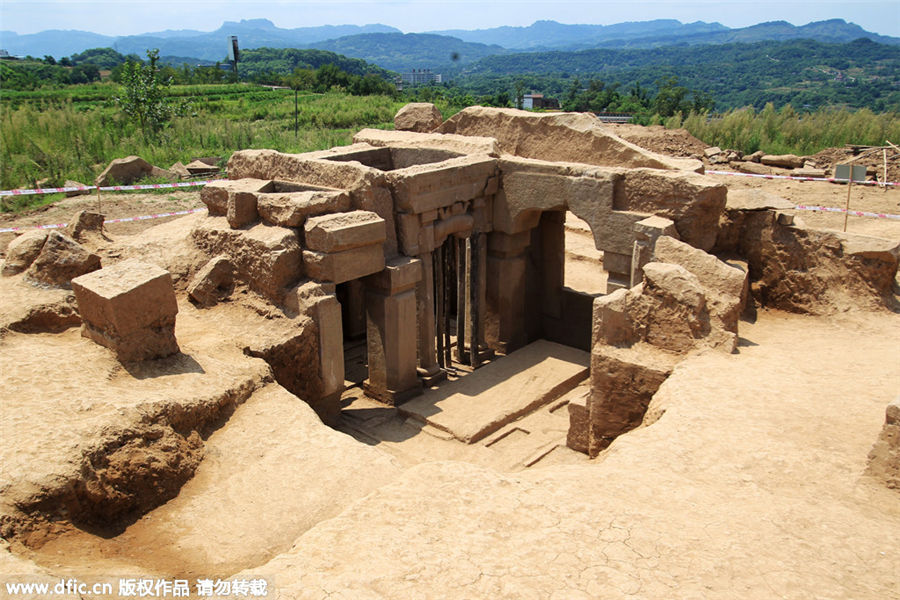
448	50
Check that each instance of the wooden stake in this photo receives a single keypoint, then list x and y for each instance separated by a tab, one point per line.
847	210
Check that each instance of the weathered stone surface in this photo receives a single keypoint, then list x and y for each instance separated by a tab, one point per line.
785	161
85	222
623	381
753	167
884	458
180	170
578	436
422	188
215	195
366	185
198	167
457	144
338	267
421	117
129	308
570	137
268	258
61	259
809	270
241	209
344	231
724	285
22	251
292	209
213	282
694	202
75	184
124	171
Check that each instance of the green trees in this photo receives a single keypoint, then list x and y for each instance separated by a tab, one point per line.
143	94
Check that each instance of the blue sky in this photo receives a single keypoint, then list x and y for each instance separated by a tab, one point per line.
114	17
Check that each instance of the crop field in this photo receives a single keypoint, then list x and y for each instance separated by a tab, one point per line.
72	133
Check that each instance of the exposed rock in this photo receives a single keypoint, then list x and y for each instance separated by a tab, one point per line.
292	209
810	270
199	167
60	260
22	251
724	285
213	282
268	258
420	117
180	170
215	195
884	459
129	308
754	168
85	222
785	161
74	184
692	201
124	171
571	137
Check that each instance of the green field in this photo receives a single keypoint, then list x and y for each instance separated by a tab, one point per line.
73	133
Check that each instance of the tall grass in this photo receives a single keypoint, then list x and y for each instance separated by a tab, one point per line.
66	139
785	131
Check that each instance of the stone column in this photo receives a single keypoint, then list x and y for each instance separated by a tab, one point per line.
505	294
391	326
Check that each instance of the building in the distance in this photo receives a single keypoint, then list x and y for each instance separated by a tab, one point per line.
420	76
531	101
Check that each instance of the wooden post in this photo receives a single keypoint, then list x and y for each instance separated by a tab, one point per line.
448	345
474	287
847	210
439	303
460	299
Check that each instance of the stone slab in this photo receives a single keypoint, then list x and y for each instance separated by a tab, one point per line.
479	404
344	231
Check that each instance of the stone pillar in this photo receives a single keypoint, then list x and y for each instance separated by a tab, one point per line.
505	294
391	325
646	233
428	370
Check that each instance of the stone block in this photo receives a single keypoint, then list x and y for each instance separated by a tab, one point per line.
215	195
213	282
292	209
578	436
399	274
84	222
22	251
61	259
241	209
344	231
338	267
884	458
129	308
420	117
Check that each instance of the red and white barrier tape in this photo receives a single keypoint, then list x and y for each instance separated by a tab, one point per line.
111	188
856	213
794	178
107	222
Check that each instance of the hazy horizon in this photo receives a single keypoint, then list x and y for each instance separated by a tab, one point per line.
416	16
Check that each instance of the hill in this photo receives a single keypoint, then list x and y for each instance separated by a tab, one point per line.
803	72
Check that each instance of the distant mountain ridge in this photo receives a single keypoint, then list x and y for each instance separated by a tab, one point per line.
449	50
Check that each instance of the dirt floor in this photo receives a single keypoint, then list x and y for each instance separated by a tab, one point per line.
747	480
